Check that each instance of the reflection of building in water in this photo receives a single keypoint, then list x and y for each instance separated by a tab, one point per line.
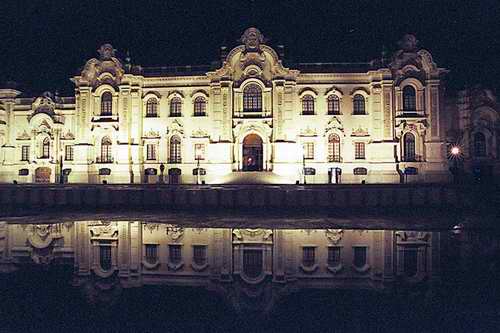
251	267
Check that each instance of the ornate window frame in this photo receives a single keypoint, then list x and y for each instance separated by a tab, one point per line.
311	95
366	98
266	100
334	92
145	100
419	97
98	94
170	97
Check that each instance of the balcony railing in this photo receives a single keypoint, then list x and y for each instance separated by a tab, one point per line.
410	113
104	159
336	159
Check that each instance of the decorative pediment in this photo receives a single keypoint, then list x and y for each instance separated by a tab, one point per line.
360	132
308	131
23	136
107	63
44	104
174	232
42	236
103	230
334	124
413	236
243	127
334	235
252	235
151	134
199	133
68	136
176	127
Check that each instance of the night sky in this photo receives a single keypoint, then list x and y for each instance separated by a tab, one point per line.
44	43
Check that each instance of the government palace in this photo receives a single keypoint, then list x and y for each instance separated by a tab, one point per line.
250	118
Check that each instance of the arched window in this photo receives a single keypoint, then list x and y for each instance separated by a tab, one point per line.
333	102
152	107
333	148
106	151
200	106
175	107
409	147
479	145
409	99
358	104
106	104
252	98
46	148
308	105
175	149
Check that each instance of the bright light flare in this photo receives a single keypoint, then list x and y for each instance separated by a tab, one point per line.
455	151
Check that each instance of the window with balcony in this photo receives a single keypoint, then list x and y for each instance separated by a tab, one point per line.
333	148
175	150
151	152
25	153
200	106
68	153
359	150
308	148
333	105
152	107
106	151
46	148
252	98
409	147
409	99
106	104
358	105
308	105
175	107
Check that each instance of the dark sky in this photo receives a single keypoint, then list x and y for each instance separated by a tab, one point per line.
45	42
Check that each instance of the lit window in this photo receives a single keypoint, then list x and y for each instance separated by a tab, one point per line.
252	98
358	104
359	150
333	104
409	99
175	107
25	153
333	148
479	145
409	147
151	151
105	255
174	253
175	149
308	256
359	256
152	107
106	104
68	152
151	253
308	150
46	148
252	263
106	151
199	254
333	256
308	105
199	151
200	106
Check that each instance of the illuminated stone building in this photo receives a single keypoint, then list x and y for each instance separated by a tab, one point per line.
245	266
249	119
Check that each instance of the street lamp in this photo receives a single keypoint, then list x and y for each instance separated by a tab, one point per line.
198	158
304	166
455	153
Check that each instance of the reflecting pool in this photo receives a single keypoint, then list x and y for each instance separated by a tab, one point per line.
153	276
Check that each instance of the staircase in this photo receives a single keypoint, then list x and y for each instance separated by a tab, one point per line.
255	177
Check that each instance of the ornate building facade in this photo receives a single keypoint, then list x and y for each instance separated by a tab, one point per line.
250	119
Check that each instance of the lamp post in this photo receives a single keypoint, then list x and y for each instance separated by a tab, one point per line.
455	155
304	166
198	158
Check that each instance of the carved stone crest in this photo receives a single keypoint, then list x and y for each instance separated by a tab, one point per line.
252	235
252	38
334	235
175	232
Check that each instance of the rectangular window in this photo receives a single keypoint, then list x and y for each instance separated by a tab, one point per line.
174	253
151	253
360	256
308	256
334	256
199	151
25	153
68	153
151	151
359	150
105	259
199	254
308	150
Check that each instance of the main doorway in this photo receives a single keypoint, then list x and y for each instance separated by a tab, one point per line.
252	153
42	175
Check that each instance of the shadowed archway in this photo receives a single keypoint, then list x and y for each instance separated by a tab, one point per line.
252	153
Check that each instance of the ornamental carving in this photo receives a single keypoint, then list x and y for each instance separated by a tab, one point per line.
41	236
334	124
308	131
151	134
403	126
413	236
151	227
107	63
360	132
252	235
174	232
199	133
334	235
103	230
23	136
252	38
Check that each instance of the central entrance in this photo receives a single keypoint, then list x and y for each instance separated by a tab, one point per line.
252	153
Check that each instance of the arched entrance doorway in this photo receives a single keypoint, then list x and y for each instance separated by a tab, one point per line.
252	153
42	175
